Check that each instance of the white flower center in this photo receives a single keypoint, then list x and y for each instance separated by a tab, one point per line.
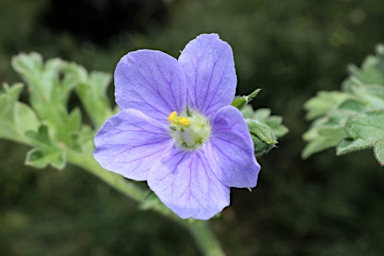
190	130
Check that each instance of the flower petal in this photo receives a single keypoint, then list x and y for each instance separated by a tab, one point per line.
210	73
184	182
230	150
129	143
152	82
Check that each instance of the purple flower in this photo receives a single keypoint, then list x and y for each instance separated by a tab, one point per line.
177	130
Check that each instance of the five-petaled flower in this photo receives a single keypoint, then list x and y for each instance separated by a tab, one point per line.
176	128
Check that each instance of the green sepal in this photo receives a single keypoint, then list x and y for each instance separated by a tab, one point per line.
262	136
264	128
240	101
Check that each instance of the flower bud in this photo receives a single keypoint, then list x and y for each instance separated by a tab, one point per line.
262	135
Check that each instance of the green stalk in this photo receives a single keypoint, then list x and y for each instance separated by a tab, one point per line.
200	231
204	238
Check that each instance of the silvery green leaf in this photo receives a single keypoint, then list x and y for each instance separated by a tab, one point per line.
323	103
378	149
356	113
15	117
46	151
322	138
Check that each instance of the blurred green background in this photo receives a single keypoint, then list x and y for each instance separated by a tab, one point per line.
325	205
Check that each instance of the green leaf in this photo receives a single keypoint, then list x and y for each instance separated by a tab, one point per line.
50	85
371	95
275	122
28	64
353	105
40	159
378	149
74	120
364	130
321	138
46	152
368	126
42	80
349	145
92	91
41	137
372	70
8	99
25	118
356	113
248	112
15	117
323	103
263	115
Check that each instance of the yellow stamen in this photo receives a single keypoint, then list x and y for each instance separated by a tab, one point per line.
178	121
172	116
184	121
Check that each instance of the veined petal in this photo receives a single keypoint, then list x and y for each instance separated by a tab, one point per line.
130	142
210	73
152	82
230	150
184	182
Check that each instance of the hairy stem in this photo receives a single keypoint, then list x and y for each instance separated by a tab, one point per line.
204	238
202	234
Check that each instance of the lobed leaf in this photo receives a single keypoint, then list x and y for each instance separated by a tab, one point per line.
378	149
48	126
323	103
15	117
322	138
352	119
46	151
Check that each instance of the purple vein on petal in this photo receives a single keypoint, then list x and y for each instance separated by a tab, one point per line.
152	86
169	86
209	108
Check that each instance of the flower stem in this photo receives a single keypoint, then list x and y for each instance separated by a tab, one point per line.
204	237
126	187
